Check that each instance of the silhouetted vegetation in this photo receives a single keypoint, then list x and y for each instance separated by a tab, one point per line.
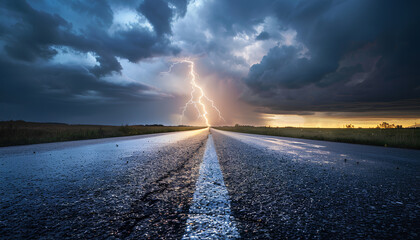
387	125
391	137
21	132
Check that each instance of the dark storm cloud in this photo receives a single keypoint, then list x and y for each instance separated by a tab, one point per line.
36	33
34	85
362	55
236	16
63	84
159	15
345	56
99	10
347	53
33	33
69	94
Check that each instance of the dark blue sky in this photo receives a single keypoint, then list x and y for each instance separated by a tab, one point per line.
101	61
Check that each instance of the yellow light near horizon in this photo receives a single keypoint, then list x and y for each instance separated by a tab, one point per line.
322	121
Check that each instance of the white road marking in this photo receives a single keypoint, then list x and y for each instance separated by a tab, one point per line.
209	216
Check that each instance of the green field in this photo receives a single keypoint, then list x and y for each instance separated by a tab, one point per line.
402	137
21	133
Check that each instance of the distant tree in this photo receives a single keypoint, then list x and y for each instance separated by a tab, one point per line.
236	125
387	125
398	126
383	125
349	126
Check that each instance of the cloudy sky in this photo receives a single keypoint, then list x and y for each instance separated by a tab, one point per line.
279	63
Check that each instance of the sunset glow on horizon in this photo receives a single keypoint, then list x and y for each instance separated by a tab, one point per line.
334	122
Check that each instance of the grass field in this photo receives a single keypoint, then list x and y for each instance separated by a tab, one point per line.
403	138
21	133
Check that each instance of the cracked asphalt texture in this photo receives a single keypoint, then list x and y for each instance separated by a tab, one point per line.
141	187
285	188
101	194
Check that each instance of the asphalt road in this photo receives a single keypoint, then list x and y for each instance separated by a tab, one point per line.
193	185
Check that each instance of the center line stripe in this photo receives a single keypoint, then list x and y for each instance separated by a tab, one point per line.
209	216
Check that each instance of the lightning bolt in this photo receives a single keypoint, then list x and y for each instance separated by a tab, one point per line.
199	104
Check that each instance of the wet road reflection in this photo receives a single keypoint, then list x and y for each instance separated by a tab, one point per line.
323	152
44	186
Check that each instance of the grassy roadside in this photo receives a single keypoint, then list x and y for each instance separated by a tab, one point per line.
21	133
403	138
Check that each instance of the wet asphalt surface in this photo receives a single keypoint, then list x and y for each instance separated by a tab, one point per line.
284	188
142	188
